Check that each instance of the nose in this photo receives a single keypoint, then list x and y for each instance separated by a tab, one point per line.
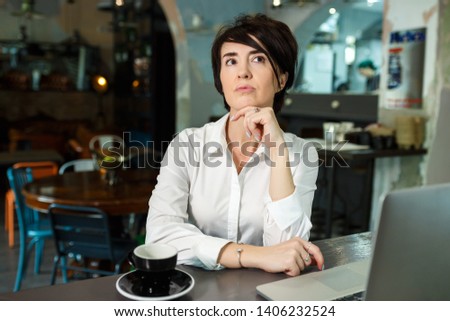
244	72
244	75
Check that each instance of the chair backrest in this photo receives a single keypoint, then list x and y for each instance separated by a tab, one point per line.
81	230
78	165
17	178
39	169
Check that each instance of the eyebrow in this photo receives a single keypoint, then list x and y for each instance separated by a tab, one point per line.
233	53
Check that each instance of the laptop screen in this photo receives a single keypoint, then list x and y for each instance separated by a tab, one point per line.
411	259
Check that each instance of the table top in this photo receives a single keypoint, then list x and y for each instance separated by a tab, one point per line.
224	285
350	151
369	154
361	154
129	195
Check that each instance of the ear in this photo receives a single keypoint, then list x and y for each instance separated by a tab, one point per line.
283	79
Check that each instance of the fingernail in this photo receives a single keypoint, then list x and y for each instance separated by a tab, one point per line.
232	117
258	138
248	134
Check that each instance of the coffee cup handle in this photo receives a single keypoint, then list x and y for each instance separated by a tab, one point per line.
131	258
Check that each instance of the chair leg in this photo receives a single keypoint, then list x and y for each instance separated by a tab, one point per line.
39	252
6	212
54	269
9	217
64	269
37	244
21	265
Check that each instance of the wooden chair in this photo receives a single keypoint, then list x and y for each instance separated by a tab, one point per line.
39	169
79	144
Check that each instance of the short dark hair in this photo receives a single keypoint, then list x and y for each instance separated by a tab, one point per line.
367	64
277	43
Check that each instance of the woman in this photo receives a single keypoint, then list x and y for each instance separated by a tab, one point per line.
238	192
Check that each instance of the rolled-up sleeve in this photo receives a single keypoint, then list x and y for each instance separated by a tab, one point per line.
207	251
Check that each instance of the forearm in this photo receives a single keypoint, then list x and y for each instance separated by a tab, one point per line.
289	257
281	182
235	256
291	216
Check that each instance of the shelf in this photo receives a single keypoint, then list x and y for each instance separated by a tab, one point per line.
47	66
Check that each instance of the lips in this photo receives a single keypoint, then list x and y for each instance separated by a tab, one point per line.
244	88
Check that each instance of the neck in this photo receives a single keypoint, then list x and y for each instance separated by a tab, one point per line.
237	137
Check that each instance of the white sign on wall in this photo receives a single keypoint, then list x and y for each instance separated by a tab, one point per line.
405	69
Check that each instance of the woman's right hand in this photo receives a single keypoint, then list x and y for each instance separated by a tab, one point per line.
290	257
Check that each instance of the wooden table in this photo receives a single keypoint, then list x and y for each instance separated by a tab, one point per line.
129	195
224	285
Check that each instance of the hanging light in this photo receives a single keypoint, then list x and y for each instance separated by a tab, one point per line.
100	84
27	11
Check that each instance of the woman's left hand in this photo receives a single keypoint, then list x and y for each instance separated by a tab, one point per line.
261	123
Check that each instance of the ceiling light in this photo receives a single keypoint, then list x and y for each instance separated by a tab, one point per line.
276	3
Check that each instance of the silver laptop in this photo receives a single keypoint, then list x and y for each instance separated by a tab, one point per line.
410	260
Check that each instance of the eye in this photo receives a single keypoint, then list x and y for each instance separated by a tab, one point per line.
259	59
230	62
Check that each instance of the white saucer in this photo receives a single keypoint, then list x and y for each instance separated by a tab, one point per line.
131	285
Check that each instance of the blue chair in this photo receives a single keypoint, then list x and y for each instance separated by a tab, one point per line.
33	231
84	232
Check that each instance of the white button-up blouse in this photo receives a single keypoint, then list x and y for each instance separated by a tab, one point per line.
201	203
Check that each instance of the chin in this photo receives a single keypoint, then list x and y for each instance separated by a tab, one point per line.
247	102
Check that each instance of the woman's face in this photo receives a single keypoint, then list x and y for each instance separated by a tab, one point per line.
247	77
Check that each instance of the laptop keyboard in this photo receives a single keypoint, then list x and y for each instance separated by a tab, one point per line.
358	296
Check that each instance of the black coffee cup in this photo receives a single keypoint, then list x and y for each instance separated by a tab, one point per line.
154	257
